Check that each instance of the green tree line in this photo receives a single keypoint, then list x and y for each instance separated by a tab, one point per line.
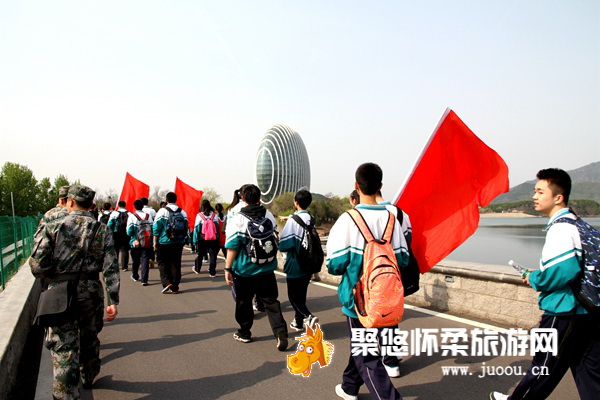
29	196
581	207
32	197
326	211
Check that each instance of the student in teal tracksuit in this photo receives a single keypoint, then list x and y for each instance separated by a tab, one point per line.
169	248
248	278
560	266
345	249
297	278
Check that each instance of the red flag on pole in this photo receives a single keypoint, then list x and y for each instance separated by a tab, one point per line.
188	199
455	174
133	190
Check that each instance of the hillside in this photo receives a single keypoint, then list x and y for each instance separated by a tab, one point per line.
586	186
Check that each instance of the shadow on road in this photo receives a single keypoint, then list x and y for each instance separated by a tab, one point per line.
163	343
210	387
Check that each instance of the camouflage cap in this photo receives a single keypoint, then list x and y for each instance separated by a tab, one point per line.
63	191
81	193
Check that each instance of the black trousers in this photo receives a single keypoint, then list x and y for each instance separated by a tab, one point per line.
168	257
210	248
122	249
580	352
297	290
367	369
140	257
264	287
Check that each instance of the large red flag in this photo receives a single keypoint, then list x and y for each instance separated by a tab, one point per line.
133	190
188	199
455	174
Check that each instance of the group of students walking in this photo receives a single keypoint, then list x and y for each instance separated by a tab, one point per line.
248	236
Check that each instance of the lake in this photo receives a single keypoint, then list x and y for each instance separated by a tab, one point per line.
498	240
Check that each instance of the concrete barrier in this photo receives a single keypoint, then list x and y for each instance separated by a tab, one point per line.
18	303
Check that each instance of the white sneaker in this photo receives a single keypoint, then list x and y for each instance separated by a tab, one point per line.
340	392
311	321
393	372
498	396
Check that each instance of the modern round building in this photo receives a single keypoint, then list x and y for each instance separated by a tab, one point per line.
281	163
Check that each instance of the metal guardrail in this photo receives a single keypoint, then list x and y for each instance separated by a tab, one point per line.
16	244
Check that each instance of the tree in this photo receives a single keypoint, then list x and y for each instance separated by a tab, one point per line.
109	196
20	181
585	207
46	200
326	211
211	195
49	195
157	196
283	204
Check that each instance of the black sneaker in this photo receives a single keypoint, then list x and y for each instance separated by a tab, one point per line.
241	338
282	341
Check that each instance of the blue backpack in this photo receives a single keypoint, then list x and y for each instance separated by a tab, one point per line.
587	289
177	226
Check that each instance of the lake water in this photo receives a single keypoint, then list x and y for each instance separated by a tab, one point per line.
498	240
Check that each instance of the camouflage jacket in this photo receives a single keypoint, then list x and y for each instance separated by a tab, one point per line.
50	215
60	247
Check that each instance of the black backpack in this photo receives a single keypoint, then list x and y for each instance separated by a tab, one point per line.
104	218
410	274
311	256
262	240
121	227
177	227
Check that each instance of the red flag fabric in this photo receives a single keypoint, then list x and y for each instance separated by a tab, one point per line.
133	190
188	199
455	174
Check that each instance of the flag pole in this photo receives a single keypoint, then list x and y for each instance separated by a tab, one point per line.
412	171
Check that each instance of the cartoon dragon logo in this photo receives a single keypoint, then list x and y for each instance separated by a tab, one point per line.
311	348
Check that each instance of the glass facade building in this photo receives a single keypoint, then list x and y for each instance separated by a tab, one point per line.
281	163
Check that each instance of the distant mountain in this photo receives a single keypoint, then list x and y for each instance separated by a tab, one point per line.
586	186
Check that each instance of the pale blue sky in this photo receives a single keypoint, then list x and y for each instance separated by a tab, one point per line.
187	88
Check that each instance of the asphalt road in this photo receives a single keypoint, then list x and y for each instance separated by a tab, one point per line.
181	347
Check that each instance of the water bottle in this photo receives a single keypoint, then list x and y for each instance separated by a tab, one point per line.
519	268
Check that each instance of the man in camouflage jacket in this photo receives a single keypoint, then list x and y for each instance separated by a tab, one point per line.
59	252
58	211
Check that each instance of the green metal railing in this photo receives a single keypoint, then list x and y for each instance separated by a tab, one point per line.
16	244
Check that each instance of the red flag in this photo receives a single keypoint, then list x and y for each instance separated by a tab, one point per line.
188	199
133	190
455	174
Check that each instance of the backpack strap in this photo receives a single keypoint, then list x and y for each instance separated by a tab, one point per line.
400	215
203	217
389	228
361	224
365	231
300	222
137	216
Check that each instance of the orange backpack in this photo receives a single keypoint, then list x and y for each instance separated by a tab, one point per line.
378	294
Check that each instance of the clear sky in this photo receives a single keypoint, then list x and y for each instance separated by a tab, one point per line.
162	89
